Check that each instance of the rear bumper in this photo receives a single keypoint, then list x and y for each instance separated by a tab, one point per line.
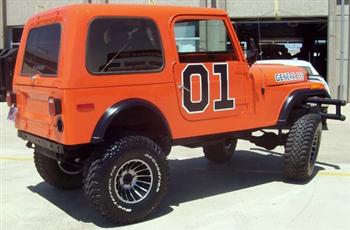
42	142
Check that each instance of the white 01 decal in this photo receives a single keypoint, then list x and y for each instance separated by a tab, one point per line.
199	106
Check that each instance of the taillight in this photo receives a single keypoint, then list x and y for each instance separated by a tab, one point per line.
55	106
11	99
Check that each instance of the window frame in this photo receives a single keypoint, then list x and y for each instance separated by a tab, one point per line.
13	44
222	18
129	71
58	56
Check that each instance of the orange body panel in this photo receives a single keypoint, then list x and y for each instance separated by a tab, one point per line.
74	85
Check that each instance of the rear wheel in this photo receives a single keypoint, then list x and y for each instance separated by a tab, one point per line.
58	174
127	179
302	147
220	152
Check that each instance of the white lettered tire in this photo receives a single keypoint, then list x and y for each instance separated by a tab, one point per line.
127	178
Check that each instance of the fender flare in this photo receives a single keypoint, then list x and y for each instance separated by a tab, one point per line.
113	111
296	98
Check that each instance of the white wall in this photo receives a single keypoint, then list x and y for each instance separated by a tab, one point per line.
334	25
20	10
1	27
273	8
194	3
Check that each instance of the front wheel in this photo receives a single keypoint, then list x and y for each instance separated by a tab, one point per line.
220	152
127	179
302	147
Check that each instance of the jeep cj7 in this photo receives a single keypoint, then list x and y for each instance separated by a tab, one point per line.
102	107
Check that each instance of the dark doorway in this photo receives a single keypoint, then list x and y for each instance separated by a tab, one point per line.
287	38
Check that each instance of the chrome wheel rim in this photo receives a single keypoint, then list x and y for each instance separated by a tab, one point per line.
133	181
314	147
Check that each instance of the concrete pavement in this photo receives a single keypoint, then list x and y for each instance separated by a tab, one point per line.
248	192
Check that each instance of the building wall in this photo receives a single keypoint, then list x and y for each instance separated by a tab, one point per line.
345	76
1	26
23	9
194	3
279	8
334	33
20	10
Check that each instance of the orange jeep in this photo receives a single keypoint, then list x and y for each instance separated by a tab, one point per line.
102	93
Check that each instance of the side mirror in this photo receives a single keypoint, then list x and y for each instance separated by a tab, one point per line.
252	54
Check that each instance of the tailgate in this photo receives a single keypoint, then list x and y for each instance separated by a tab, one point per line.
33	111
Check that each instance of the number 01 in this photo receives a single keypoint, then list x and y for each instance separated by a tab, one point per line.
219	70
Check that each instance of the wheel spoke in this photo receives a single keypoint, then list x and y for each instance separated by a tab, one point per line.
141	170
129	167
124	194
145	182
143	176
132	196
137	167
137	193
143	189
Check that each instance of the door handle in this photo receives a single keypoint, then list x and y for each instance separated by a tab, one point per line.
34	78
181	86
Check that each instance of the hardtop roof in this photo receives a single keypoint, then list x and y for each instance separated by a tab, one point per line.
133	10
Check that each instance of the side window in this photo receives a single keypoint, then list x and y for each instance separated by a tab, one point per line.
119	45
203	41
42	51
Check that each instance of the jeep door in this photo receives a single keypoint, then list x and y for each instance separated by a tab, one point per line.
210	72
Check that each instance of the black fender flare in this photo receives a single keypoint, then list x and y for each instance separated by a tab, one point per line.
296	98
113	111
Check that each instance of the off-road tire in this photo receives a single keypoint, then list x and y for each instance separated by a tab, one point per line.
108	170
220	152
302	147
52	174
165	144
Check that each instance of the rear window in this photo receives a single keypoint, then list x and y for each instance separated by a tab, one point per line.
119	45
42	51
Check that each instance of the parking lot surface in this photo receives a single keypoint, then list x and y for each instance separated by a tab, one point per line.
248	192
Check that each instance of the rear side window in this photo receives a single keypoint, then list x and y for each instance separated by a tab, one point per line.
119	45
42	51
